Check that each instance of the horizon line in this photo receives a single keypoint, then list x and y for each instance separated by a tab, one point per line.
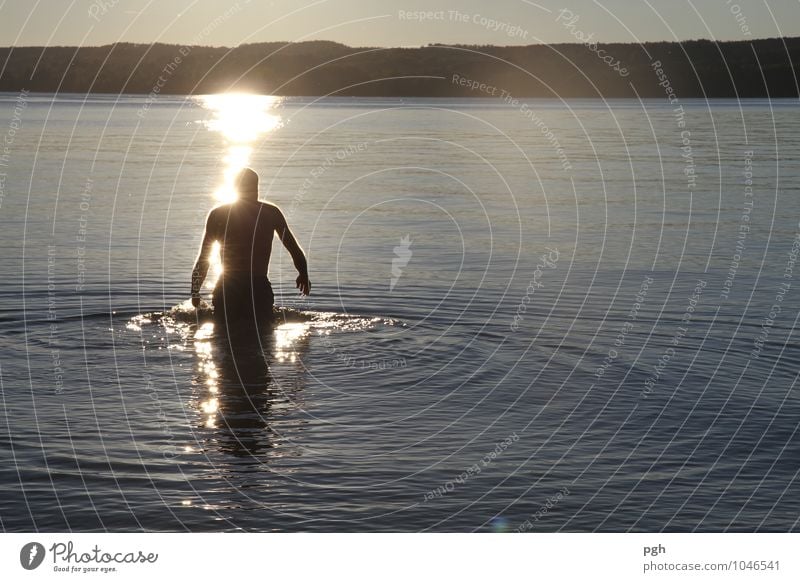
421	46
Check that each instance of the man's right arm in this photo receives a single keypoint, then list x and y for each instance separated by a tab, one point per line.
203	261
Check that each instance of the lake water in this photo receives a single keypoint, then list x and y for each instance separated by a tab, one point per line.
555	316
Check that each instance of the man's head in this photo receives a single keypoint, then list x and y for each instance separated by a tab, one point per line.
247	184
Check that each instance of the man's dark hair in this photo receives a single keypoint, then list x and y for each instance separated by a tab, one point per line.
247	184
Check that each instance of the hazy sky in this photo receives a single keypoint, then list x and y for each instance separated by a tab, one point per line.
388	23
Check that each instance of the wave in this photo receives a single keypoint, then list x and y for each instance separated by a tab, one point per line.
184	315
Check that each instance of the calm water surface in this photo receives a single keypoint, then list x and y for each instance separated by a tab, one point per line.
569	316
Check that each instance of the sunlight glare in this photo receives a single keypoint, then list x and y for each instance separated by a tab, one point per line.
215	267
286	335
241	118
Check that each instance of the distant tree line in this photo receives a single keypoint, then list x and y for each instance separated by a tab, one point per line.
701	68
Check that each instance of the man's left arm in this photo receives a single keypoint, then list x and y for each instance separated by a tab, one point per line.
298	256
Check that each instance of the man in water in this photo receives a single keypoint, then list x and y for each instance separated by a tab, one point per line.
244	230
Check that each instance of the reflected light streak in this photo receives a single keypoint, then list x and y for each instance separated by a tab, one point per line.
202	346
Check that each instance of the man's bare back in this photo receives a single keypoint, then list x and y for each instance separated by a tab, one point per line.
244	231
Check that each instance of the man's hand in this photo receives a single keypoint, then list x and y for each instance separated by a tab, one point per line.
304	284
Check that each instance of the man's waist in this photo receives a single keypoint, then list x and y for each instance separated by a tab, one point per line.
242	276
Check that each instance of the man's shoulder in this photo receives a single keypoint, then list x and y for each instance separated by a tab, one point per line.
271	210
220	209
269	206
219	212
223	211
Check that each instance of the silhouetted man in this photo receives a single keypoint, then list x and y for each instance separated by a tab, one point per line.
244	230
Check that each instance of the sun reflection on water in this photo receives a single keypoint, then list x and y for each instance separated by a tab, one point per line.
286	337
285	343
245	385
241	119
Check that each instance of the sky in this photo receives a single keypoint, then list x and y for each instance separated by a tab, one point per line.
389	23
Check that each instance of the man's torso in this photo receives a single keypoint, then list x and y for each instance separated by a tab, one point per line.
245	230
